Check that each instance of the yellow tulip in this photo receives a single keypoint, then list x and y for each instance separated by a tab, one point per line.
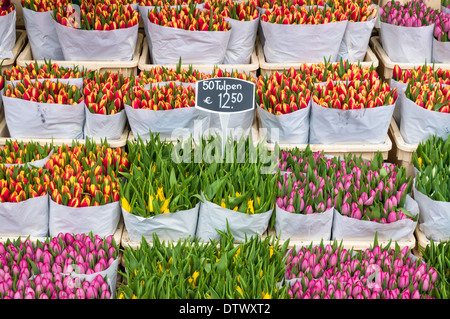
125	204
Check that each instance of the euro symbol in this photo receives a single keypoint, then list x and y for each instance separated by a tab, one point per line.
207	100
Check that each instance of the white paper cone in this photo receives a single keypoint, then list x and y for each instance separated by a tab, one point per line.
356	41
441	51
100	126
7	35
242	41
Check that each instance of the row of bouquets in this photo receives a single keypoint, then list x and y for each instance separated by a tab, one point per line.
352	105
415	33
301	194
48	189
58	30
45	101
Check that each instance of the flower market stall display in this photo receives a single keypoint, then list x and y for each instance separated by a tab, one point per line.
44	109
424	74
84	190
215	270
293	34
41	32
67	266
101	32
441	39
436	255
103	96
189	33
351	112
168	109
244	20
369	197
425	111
160	196
333	272
23	201
7	29
402	26
432	187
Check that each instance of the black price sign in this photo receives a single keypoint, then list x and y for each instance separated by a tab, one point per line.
225	95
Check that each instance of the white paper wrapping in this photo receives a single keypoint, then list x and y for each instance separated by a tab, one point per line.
183	122
27	218
101	126
445	9
100	220
239	124
212	217
303	226
355	41
347	228
41	34
441	51
94	45
335	126
401	87
292	127
242	41
169	44
434	218
417	123
43	120
169	227
302	42
7	35
402	43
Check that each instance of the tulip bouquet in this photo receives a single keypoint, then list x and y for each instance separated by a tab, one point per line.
101	27
361	15
84	188
341	71
435	255
185	26
14	152
64	114
152	187
345	112
367	191
284	105
41	32
402	26
103	97
161	3
425	74
7	29
431	187
319	30
333	272
243	18
64	267
213	270
236	190
24	201
432	97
